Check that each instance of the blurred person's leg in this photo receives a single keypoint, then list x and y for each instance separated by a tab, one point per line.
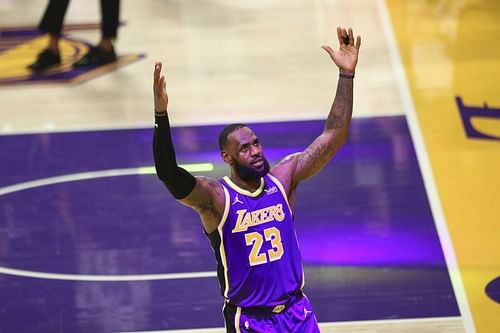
51	24
104	52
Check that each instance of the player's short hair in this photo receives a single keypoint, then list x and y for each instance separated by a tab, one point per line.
225	133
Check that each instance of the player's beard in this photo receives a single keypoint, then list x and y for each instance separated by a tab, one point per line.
250	173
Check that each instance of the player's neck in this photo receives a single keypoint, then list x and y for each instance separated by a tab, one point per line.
248	185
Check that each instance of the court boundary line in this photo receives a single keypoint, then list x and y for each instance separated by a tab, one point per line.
51	128
322	325
425	166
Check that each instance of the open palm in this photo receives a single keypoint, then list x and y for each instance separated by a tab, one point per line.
346	57
160	89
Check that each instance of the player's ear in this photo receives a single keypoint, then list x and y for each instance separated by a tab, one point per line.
225	156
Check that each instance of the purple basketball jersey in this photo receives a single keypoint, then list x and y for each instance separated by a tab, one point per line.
258	256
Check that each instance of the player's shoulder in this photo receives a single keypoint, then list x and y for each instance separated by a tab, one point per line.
207	196
284	170
209	183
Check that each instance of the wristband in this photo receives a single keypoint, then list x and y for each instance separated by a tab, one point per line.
346	76
160	113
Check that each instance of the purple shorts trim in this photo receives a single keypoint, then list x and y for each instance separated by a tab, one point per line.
299	317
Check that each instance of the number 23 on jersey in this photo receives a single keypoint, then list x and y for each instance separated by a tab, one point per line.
256	239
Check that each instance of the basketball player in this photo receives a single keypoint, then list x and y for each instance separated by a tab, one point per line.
248	216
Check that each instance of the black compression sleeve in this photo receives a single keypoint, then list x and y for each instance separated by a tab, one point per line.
177	180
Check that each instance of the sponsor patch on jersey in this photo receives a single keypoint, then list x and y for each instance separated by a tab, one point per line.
271	190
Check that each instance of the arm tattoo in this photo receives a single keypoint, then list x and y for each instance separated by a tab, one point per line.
335	121
334	133
208	204
316	156
215	185
341	110
287	159
214	212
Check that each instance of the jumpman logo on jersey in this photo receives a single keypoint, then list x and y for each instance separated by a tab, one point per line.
236	200
306	312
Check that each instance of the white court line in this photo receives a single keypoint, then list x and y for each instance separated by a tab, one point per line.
425	167
405	322
105	278
8	130
200	167
147	170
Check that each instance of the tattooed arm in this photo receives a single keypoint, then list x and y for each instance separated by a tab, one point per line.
208	199
297	167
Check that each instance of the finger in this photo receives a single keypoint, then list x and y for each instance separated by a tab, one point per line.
158	85
358	42
328	49
161	82
351	37
158	66
157	70
345	37
346	40
339	35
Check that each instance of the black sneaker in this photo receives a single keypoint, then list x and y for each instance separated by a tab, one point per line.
96	57
45	59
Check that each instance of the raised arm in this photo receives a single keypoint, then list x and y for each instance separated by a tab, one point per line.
297	167
203	194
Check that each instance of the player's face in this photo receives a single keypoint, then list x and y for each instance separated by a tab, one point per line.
247	155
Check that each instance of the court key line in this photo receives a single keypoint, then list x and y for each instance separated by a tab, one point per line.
199	167
147	170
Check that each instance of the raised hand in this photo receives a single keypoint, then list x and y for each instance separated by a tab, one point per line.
346	57
160	90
